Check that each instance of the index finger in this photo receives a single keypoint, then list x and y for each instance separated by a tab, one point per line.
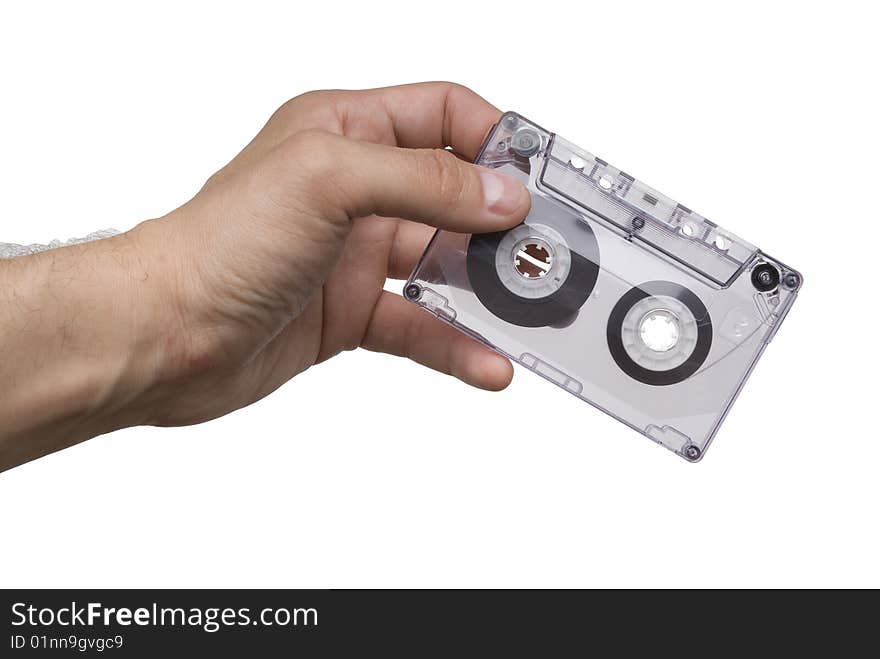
428	115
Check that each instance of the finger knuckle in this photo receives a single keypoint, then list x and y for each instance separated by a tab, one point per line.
456	88
441	171
308	99
309	152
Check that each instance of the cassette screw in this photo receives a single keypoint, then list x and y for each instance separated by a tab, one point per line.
792	280
413	291
692	453
638	223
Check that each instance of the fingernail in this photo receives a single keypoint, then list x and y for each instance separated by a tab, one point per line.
501	194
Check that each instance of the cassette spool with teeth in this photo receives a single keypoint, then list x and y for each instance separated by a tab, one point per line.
611	290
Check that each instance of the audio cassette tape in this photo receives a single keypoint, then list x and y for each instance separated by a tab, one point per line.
611	290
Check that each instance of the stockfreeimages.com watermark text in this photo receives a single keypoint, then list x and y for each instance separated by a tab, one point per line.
209	619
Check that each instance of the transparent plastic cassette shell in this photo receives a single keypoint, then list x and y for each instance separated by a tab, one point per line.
611	290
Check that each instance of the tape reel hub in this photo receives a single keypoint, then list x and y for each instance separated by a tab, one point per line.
659	333
659	330
532	261
532	258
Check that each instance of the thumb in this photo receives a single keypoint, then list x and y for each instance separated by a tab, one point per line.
357	179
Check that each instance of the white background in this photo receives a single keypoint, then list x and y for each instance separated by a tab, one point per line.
369	471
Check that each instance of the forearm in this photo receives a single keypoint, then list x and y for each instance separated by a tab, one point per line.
80	345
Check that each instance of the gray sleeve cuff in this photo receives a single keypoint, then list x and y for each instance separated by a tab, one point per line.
10	250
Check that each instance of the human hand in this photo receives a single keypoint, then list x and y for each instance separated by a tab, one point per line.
277	264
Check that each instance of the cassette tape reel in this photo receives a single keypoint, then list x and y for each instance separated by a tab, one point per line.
530	276
611	290
659	333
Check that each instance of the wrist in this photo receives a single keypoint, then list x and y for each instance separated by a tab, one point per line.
81	340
